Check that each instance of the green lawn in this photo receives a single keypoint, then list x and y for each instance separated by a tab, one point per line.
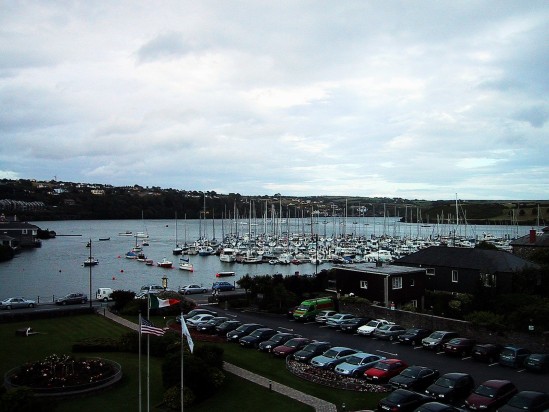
57	336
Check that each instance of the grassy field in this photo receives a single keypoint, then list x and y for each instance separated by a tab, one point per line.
57	336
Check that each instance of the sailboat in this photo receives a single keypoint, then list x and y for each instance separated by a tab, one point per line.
177	250
184	264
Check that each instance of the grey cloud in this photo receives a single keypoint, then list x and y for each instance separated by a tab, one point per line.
167	45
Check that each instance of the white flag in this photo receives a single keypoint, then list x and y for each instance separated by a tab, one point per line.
185	332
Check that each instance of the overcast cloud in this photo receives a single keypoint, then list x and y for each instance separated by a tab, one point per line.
411	99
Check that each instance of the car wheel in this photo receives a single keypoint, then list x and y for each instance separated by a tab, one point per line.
491	359
8	307
105	299
391	338
438	348
83	300
31	305
413	343
64	303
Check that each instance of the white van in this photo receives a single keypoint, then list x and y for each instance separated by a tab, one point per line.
104	294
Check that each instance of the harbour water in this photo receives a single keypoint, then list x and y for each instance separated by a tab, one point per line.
57	268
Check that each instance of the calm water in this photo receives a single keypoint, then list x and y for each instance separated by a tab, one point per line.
57	268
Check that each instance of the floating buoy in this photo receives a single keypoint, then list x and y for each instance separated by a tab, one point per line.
118	256
113	278
121	270
60	272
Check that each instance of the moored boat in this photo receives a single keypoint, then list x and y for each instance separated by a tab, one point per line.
184	264
91	261
224	274
165	263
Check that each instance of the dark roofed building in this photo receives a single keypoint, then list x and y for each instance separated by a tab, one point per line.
385	284
526	245
464	270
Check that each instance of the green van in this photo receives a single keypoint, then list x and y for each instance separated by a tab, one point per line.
308	309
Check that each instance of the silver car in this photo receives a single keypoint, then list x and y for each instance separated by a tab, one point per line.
14	303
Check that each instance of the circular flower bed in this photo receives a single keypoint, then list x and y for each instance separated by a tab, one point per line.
63	374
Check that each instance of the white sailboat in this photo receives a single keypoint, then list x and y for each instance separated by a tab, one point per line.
177	250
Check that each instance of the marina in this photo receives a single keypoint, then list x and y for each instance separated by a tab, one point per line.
288	246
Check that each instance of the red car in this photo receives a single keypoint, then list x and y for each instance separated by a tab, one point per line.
459	346
490	395
384	370
290	347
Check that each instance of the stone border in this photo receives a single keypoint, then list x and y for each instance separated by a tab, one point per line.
72	390
331	379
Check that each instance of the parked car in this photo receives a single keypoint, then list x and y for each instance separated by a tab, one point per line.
222	286
335	321
486	352
415	378
198	311
191	289
384	370
414	336
513	356
256	337
459	346
332	357
389	332
438	338
290	347
196	319
437	407
351	325
531	401
242	330
210	325
279	339
151	289
451	388
227	326
402	400
356	364
537	362
311	350
14	303
490	395
368	329
72	299
323	315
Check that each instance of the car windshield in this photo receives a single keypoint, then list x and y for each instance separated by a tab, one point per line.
309	348
396	397
292	343
372	323
256	333
412	331
436	335
486	391
382	366
520	402
410	372
385	327
355	360
445	383
508	353
455	341
332	353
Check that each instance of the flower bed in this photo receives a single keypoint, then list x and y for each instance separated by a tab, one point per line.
61	375
331	379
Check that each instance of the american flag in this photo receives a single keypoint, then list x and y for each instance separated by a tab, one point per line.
148	327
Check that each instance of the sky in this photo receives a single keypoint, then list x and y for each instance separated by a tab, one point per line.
410	99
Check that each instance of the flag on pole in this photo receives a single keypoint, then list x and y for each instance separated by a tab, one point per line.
148	327
185	332
156	303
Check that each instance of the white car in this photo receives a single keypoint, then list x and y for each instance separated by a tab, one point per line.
370	327
190	289
195	320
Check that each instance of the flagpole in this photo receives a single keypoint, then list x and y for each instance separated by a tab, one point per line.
148	352
139	368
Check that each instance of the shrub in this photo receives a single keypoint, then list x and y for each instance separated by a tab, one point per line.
121	298
97	345
489	320
172	397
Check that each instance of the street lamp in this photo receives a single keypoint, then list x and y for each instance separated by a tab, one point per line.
165	282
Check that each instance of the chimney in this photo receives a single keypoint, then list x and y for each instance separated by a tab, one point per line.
532	235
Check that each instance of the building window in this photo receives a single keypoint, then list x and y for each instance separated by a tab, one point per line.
412	282
488	280
397	282
363	284
454	276
413	302
430	271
